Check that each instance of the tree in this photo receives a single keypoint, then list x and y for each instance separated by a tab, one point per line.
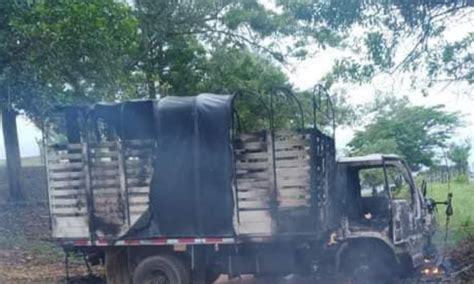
177	36
80	50
414	132
394	36
181	33
10	51
459	154
221	46
12	151
56	52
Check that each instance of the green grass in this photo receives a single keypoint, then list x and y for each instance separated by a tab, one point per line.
39	248
26	162
462	221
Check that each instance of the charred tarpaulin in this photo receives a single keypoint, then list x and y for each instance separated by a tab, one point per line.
109	121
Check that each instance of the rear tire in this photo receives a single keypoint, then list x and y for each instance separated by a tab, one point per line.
162	269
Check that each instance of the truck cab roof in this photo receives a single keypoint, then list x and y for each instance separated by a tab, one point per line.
372	159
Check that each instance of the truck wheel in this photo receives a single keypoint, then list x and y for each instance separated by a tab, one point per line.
363	269
162	269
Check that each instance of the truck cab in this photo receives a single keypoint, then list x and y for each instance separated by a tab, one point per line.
381	207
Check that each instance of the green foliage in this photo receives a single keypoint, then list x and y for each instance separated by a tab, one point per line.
178	38
452	61
414	132
461	178
379	33
83	45
349	70
233	69
71	51
459	154
336	15
378	50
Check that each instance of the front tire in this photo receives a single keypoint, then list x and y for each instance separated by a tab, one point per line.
162	269
364	268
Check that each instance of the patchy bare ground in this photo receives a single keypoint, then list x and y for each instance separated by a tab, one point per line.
26	254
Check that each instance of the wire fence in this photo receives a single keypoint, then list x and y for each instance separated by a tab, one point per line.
445	176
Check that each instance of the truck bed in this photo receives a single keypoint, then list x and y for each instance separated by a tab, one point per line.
98	191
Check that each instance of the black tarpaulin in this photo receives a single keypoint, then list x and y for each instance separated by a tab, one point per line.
131	120
191	188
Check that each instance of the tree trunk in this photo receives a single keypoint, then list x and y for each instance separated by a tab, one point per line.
151	86
12	151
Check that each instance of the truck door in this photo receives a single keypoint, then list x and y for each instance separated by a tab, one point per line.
404	204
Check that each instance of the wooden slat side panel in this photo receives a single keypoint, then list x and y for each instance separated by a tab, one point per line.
69	210
111	178
143	189
147	143
67	194
65	176
138	168
255	222
138	199
70	227
109	204
138	209
254	184
292	156
57	148
66	183
105	182
64	156
66	166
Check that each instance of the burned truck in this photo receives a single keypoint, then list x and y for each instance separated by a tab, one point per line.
175	191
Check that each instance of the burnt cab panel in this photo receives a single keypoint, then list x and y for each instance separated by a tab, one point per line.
378	194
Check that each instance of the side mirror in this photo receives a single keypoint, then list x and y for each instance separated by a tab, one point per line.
424	188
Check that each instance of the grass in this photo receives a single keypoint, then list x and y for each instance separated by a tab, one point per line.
38	248
461	222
